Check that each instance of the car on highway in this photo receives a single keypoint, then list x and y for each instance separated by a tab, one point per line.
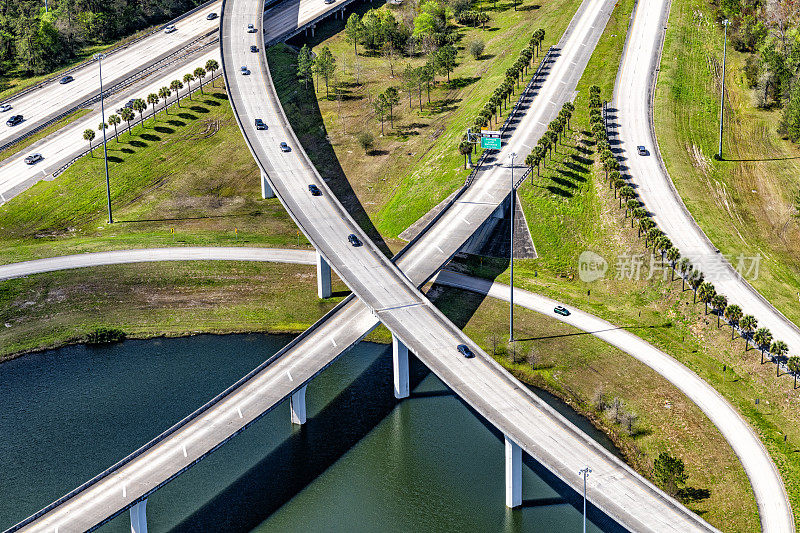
314	190
65	80
464	350
251	28
169	29
211	16
33	159
5	107
245	71
14	120
260	124
641	150
285	147
128	105
353	239
253	48
330	1
561	310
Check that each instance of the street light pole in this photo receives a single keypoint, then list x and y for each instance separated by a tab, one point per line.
722	94
99	58
512	207
585	473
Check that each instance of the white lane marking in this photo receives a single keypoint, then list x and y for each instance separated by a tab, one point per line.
289	375
333	341
239	410
124	491
440	250
466	221
184	451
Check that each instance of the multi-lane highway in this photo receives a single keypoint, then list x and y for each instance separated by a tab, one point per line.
53	99
385	295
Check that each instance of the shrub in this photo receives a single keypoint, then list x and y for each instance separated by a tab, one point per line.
366	140
476	48
105	336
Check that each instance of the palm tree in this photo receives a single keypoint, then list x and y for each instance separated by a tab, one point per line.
706	292
114	120
176	86
778	350
685	266
794	367
127	115
762	338
88	135
153	99
747	325
652	234
645	223
465	148
200	73
733	313
139	106
673	255
625	193
695	280
719	302
187	79
212	66
164	93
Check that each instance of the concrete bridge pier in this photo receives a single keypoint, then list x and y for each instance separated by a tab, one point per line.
400	367
513	474
297	404
139	517
266	189
323	277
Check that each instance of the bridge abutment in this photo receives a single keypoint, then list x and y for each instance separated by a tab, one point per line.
323	277
297	405
139	517
513	474
400	367
266	188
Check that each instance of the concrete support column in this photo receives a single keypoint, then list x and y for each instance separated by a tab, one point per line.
266	189
513	474
323	277
297	404
400	366
139	517
314	27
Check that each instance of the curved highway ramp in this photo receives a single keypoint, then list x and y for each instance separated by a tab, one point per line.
385	295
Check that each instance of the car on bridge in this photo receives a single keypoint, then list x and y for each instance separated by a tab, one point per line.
641	150
33	159
5	107
260	124
285	147
330	1
251	28
171	28
211	16
14	120
253	48
561	310
464	350
245	71
314	190
355	241
65	80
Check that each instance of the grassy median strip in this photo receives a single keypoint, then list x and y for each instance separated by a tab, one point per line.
743	203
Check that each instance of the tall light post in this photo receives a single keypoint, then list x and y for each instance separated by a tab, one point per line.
725	22
513	205
585	473
99	58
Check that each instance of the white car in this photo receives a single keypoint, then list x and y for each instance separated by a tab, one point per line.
171	28
245	71
251	28
5	107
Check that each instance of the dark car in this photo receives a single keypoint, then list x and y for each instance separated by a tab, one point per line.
314	190
211	16
285	147
642	150
253	48
14	120
128	105
245	71
353	239
561	310
65	80
260	124
33	159
464	350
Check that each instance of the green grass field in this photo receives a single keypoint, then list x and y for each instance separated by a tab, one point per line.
744	202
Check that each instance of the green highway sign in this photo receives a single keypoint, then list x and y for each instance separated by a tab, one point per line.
492	143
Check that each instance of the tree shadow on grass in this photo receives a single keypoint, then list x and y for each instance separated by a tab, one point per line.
220	96
150	137
115	159
559	191
137	144
199	109
207	101
126	150
187	116
462	81
176	123
444	106
531	7
163	129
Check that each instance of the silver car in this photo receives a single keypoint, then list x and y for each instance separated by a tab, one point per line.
5	107
33	159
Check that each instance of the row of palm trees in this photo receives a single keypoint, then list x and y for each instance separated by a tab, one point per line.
551	139
138	105
747	325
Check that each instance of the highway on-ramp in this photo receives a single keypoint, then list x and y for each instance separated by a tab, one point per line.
633	104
